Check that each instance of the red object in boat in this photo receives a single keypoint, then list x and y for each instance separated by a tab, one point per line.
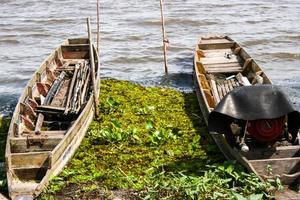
266	130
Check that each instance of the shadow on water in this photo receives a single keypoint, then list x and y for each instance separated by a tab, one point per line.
181	79
7	104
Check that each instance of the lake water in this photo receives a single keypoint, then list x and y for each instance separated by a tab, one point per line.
131	38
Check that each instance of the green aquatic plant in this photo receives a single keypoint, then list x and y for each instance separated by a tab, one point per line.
226	180
152	141
4	125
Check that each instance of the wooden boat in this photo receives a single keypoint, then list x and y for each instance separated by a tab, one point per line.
51	118
250	119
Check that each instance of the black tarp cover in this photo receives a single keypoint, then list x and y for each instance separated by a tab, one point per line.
253	103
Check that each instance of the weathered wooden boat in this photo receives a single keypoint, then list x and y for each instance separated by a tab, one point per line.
250	119
51	117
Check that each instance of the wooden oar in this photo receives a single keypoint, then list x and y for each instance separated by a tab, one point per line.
93	73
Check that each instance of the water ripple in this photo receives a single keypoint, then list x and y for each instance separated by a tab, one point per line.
131	37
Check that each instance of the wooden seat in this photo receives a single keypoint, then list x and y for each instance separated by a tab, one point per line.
221	43
229	67
224	68
30	160
46	141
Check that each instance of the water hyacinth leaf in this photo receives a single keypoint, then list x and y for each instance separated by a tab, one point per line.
169	161
230	169
239	197
149	124
255	197
116	124
111	102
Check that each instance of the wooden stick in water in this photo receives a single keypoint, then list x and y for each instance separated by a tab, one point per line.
98	25
93	73
165	40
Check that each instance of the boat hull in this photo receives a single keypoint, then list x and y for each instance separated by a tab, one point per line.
30	167
222	55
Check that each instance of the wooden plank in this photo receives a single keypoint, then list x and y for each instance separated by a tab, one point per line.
226	87
200	67
85	87
49	133
58	59
27	110
75	47
49	108
30	160
74	61
215	41
229	85
50	75
72	131
74	52
287	194
223	65
70	91
71	68
27	122
200	54
218	45
216	53
59	100
42	88
35	143
220	92
223	89
218	60
214	90
269	153
203	82
247	62
94	74
16	131
224	70
209	98
237	50
78	41
39	123
244	54
33	104
38	77
29	92
279	166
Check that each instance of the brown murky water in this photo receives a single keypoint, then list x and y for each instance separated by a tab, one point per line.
131	38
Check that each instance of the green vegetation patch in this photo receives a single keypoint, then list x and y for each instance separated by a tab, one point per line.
4	125
152	143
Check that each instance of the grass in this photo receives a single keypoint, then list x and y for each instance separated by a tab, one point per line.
151	143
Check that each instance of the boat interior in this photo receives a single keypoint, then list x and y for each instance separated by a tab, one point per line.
218	60
222	65
52	100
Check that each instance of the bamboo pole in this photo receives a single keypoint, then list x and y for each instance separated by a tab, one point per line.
93	74
165	40
98	25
